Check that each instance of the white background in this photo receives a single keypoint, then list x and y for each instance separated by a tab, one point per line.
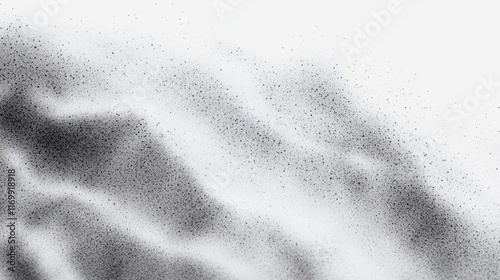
435	50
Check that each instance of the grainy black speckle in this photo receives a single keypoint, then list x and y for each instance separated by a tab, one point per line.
117	184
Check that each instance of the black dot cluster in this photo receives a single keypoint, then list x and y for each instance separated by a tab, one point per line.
117	155
307	128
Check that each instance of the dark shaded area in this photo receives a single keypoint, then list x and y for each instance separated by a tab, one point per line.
115	154
26	268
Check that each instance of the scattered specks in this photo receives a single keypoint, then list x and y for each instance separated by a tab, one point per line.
122	192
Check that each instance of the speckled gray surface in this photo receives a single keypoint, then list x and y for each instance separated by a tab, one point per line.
136	162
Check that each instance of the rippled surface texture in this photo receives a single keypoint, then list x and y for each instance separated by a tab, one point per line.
134	161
